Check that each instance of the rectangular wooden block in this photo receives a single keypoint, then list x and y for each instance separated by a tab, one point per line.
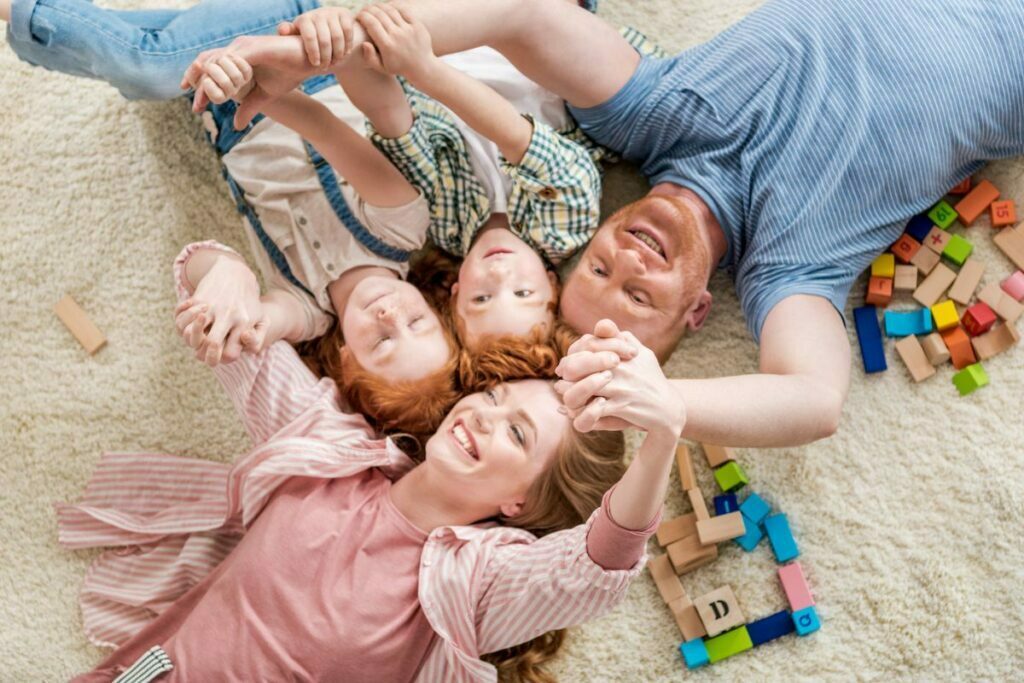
79	324
722	528
935	285
700	508
771	627
687	619
717	455
685	466
906	279
687	554
910	350
995	341
976	202
935	349
1001	302
960	350
967	281
1014	286
728	644
669	586
672	530
925	260
776	527
869	337
719	610
879	291
795	584
1011	242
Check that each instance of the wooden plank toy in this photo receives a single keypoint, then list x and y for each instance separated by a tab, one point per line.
879	291
918	227
869	336
721	528
1011	242
685	466
902	323
794	583
1003	213
905	248
943	214
970	379
79	324
1014	286
937	240
925	261
960	350
717	455
695	653
1000	302
958	250
687	619
665	580
961	188
935	349
945	315
995	341
806	621
728	644
752	536
771	627
906	279
719	610
726	503
934	286
967	281
700	508
884	265
688	554
909	349
674	529
979	319
731	477
976	202
755	508
776	527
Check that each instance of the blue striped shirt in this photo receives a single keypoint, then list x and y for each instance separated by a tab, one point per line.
814	130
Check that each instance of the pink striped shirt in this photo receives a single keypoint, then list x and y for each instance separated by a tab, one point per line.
482	589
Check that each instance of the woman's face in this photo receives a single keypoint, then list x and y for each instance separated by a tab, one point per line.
493	444
392	332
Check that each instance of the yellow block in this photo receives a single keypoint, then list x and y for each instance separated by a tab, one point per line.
945	315
884	266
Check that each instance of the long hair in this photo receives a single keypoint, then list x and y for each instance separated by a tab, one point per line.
496	359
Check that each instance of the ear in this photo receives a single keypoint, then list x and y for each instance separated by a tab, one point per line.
455	289
699	311
512	509
553	279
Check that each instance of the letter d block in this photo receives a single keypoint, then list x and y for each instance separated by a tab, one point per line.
719	610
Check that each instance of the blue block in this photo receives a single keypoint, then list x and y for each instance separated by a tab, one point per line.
770	628
749	540
754	508
869	334
726	503
695	653
919	227
906	323
783	543
806	621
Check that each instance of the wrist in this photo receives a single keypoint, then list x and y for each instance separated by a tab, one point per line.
426	73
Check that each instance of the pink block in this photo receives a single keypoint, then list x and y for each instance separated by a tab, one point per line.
1014	285
795	584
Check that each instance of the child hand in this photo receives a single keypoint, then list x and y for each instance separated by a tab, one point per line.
226	77
401	45
326	34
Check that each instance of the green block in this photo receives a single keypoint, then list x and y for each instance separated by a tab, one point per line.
731	477
970	379
943	215
728	644
958	249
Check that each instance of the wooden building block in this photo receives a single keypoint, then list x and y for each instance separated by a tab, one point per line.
905	248
960	350
719	610
1014	286
685	465
795	584
906	279
695	653
722	528
79	324
961	188
688	554
997	340
752	536
700	508
945	315
717	455
755	508
806	621
1011	242
687	619
935	349
925	261
902	323
669	586
968	380
979	319
869	337
879	291
769	628
776	527
937	239
1001	302
934	286
909	349
726	503
918	227
674	529
958	250
728	644
884	265
967	281
943	214
1003	213
976	202
731	477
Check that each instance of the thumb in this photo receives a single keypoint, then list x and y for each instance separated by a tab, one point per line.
252	340
606	329
286	28
371	56
251	106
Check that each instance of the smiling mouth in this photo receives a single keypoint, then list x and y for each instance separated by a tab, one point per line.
496	251
648	241
465	439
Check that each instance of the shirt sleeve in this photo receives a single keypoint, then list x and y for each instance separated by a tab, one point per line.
555	199
615	547
762	287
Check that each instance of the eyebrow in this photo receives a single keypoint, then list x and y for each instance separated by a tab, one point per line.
521	413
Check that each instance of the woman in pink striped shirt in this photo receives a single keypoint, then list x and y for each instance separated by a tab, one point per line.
325	554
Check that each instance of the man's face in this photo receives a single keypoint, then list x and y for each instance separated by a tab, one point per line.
633	271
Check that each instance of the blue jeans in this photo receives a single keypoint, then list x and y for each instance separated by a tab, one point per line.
141	53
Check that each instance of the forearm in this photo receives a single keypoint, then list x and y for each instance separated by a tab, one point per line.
638	496
378	96
285	317
200	261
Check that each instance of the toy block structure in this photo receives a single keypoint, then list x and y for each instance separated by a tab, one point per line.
884	266
776	527
717	455
945	315
1003	213
676	528
1002	303
721	528
1014	286
688	554
943	215
770	628
668	584
752	535
869	336
79	324
695	653
995	341
719	610
935	349
728	644
918	227
806	621
685	466
879	291
1011	242
979	319
754	508
913	356
958	250
906	279
905	248
970	379
794	583
700	508
976	202
687	619
937	240
731	477
902	323
960	350
961	188
726	503
925	261
967	281
934	286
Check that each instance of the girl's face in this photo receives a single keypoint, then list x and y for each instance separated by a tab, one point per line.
392	331
503	288
493	444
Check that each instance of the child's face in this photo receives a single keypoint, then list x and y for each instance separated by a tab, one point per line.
392	331
503	288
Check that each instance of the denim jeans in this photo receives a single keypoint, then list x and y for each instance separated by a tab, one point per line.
141	53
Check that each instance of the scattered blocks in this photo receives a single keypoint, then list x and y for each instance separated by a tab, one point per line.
685	466
1003	213
906	279
728	644
960	350
1014	286
677	528
717	455
700	508
1011	242
695	654
913	356
879	291
970	379
995	341
979	319
902	323
771	627
783	544
869	335
719	610
884	266
976	201
806	621
79	324
925	261
967	281
795	584
749	540
934	286
731	477
904	249
918	227
958	250
935	349
726	503
722	528
937	240
754	508
961	188
1001	302
945	315
943	214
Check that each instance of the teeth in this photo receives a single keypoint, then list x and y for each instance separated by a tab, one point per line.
648	240
463	438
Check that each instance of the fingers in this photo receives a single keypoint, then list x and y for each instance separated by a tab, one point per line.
195	70
184	317
195	332
395	18
213	92
371	57
252	340
347	25
576	366
588	418
370	20
606	329
250	107
233	344
286	28
324	42
577	395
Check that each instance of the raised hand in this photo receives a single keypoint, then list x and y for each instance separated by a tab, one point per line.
401	44
227	76
326	34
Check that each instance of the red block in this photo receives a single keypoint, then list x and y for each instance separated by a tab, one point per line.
879	291
960	350
963	187
1003	213
975	203
905	248
979	319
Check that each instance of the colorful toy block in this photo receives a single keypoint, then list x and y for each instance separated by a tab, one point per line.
695	654
1014	286
913	356
934	286
677	528
960	350
685	466
1000	302
755	508
700	508
970	379
806	621
918	227
942	214
967	281
687	619
731	477
879	291
925	261
717	455
79	324
976	201
1003	213
668	584
958	249
995	341
728	644
719	610
1011	242
935	349
726	503
721	528
937	239
979	319
884	265
869	335
749	540
771	627
906	279
905	248
688	554
902	323
776	527
961	188
945	315
795	584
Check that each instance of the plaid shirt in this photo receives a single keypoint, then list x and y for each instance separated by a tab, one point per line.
554	202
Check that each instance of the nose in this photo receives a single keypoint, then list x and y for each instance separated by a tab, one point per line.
480	421
498	270
630	261
387	312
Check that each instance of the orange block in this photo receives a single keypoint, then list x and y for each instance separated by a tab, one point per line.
905	248
976	201
963	187
1004	213
879	291
960	350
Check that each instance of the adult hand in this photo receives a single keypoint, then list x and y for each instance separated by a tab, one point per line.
326	34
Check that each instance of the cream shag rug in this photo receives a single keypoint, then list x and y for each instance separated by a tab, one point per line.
909	520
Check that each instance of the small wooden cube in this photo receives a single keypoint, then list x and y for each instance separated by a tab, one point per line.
958	250
943	214
976	201
687	619
979	319
1014	286
1003	213
945	315
879	291
967	281
1011	242
906	279
925	260
960	350
961	188
722	528
669	586
905	248
937	239
731	477
717	455
677	528
79	324
934	286
883	266
967	381
719	610
935	349
909	349
728	644
685	465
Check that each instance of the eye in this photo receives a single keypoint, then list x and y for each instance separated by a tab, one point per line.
637	298
518	434
523	293
598	270
491	395
381	341
415	320
481	299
